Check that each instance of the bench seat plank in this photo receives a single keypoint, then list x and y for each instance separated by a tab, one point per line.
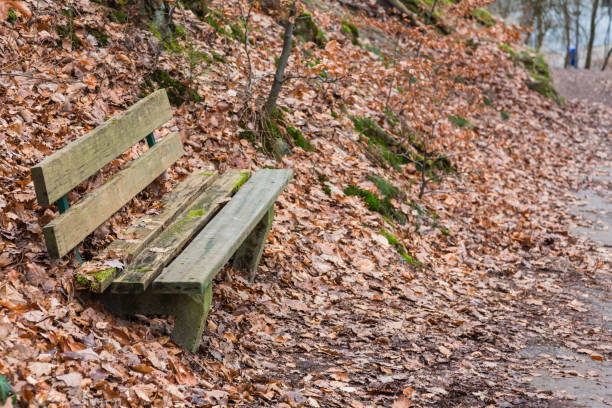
59	173
71	227
147	227
161	250
193	270
97	276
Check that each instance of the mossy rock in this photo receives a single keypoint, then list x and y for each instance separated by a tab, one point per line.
483	17
199	7
423	9
307	30
351	31
541	80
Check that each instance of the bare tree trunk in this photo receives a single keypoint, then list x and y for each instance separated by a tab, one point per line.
605	64
587	64
538	10
577	28
566	31
279	76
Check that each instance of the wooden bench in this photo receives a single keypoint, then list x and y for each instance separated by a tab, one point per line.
165	262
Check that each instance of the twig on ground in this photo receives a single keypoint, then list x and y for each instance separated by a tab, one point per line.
23	74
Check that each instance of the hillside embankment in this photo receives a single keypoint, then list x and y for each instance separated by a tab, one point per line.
425	242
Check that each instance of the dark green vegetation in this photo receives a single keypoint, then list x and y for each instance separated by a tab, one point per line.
541	81
5	390
171	40
307	30
67	31
388	150
100	35
385	188
383	205
504	115
483	17
299	139
223	26
178	92
324	180
460	121
399	247
12	17
351	31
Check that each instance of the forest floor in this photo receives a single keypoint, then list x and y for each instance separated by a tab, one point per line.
491	289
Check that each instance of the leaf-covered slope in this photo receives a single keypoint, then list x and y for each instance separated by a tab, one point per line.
374	297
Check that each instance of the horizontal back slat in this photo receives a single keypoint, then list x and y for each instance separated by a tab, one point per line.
65	169
70	228
194	268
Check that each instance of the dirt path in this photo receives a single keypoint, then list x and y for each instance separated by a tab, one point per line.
591	85
577	376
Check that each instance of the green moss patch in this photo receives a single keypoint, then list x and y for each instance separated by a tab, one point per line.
381	143
460	121
178	92
351	31
244	177
100	35
67	30
92	281
382	206
539	72
385	188
11	18
223	26
299	139
399	247
483	17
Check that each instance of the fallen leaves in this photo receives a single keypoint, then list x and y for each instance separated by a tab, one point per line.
21	6
335	315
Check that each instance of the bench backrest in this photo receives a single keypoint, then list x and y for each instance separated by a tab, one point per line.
59	173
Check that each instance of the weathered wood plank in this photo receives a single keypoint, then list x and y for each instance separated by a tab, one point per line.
70	228
96	276
197	265
150	262
147	227
66	168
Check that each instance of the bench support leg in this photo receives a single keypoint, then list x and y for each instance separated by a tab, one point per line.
248	255
190	311
190	317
